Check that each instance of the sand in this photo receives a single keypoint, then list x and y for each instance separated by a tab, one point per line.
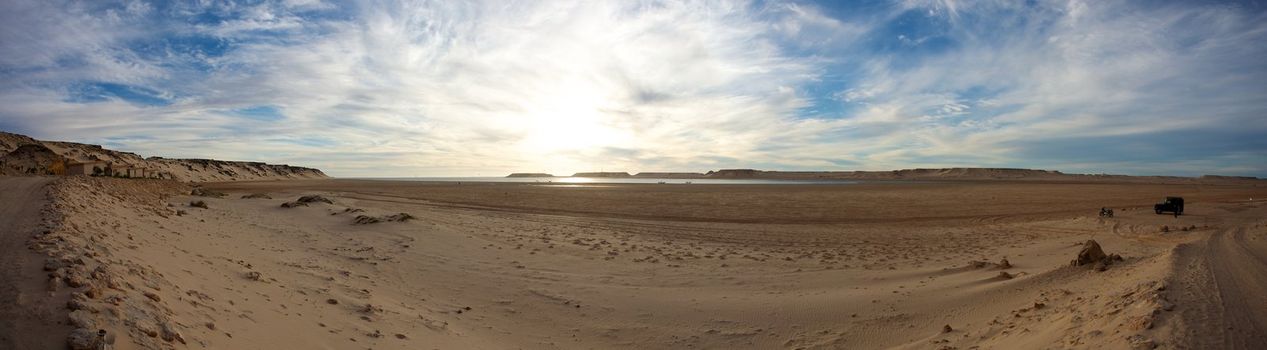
507	266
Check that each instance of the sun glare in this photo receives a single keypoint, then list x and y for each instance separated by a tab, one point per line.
570	120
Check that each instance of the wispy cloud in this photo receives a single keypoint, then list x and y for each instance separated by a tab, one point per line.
443	88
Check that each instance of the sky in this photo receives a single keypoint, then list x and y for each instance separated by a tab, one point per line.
485	88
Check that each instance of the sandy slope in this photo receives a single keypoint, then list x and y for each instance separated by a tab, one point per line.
497	266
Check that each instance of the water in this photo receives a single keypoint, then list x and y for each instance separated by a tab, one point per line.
617	180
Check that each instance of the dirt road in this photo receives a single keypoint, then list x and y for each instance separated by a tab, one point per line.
1222	286
26	322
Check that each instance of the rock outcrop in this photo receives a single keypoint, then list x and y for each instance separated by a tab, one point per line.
1092	254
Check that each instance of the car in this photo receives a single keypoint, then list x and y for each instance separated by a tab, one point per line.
1172	204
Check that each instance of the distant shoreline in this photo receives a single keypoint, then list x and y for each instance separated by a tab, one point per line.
905	174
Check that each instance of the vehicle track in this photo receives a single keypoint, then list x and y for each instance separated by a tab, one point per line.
26	321
1221	287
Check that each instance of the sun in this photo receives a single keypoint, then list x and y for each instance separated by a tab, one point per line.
570	119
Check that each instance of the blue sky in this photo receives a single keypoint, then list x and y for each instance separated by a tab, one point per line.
436	88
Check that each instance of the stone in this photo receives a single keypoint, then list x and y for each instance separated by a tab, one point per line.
76	280
82	319
82	339
152	296
92	292
947	329
147	328
78	303
1090	253
52	264
170	334
1138	342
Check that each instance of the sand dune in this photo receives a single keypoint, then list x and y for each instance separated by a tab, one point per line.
22	155
490	266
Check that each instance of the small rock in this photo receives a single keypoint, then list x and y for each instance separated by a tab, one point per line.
170	334
253	275
52	264
198	204
1140	323
152	296
76	280
1004	264
82	339
1138	342
1005	275
78	302
947	329
332	302
82	319
148	328
401	336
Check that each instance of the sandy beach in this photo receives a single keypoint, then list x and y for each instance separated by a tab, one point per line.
949	265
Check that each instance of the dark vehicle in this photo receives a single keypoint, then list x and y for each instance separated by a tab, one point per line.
1172	204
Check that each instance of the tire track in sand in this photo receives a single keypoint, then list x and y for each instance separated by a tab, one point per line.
1221	286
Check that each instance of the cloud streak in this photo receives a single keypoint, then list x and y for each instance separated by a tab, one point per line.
401	88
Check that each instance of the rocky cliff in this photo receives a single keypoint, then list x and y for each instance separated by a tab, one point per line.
22	155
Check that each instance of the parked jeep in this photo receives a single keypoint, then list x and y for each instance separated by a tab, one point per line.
1172	204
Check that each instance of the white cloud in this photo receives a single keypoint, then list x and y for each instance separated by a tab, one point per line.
445	88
